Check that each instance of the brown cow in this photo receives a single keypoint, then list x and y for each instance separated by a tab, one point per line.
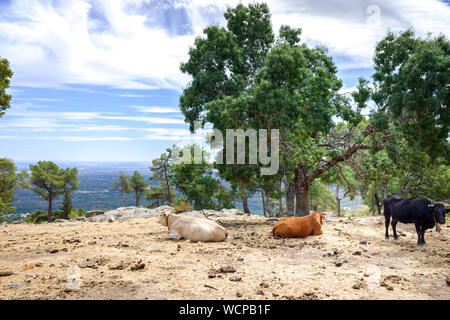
299	227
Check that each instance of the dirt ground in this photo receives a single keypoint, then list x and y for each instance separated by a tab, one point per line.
132	260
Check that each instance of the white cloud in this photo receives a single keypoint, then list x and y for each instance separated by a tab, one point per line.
63	43
155	109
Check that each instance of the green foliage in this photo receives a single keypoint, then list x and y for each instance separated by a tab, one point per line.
49	181
198	184
156	195
77	213
5	76
37	217
138	186
412	78
123	185
10	180
182	205
322	198
66	205
161	172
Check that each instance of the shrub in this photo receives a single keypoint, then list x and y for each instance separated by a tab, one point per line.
77	213
37	216
182	206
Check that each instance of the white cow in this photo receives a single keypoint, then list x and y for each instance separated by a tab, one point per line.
195	229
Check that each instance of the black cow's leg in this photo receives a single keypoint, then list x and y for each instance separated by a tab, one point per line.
394	227
387	219
423	243
420	236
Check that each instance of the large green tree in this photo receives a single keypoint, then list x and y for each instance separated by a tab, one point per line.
49	181
294	88
5	76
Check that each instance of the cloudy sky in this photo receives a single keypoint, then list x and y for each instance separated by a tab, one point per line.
99	80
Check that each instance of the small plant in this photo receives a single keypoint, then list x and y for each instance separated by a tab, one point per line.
182	206
77	213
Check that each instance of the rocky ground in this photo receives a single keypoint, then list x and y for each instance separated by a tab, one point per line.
131	259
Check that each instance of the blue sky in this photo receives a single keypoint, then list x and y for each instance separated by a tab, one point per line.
100	80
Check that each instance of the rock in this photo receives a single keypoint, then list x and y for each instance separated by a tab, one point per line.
264	285
15	285
448	281
363	242
227	269
238	294
6	273
240	259
338	263
60	220
94	213
125	213
138	266
235	279
54	251
78	219
357	253
119	266
260	292
87	264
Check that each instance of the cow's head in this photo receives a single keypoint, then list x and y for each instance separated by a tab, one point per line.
163	219
438	212
319	216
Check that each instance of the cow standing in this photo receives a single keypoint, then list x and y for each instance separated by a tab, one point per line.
419	211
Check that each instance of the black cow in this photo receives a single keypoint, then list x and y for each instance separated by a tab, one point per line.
419	211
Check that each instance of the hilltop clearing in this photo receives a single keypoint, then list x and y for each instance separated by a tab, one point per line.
131	259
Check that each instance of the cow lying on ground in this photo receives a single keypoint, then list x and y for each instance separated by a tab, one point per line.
299	227
192	228
424	214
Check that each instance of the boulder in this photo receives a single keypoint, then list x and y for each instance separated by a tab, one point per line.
94	213
125	213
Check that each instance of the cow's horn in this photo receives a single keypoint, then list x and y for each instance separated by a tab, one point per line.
431	205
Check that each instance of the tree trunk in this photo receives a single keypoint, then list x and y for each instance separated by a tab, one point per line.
378	203
50	205
280	207
263	202
169	196
385	189
137	200
302	184
338	202
245	204
302	200
123	199
268	205
290	198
